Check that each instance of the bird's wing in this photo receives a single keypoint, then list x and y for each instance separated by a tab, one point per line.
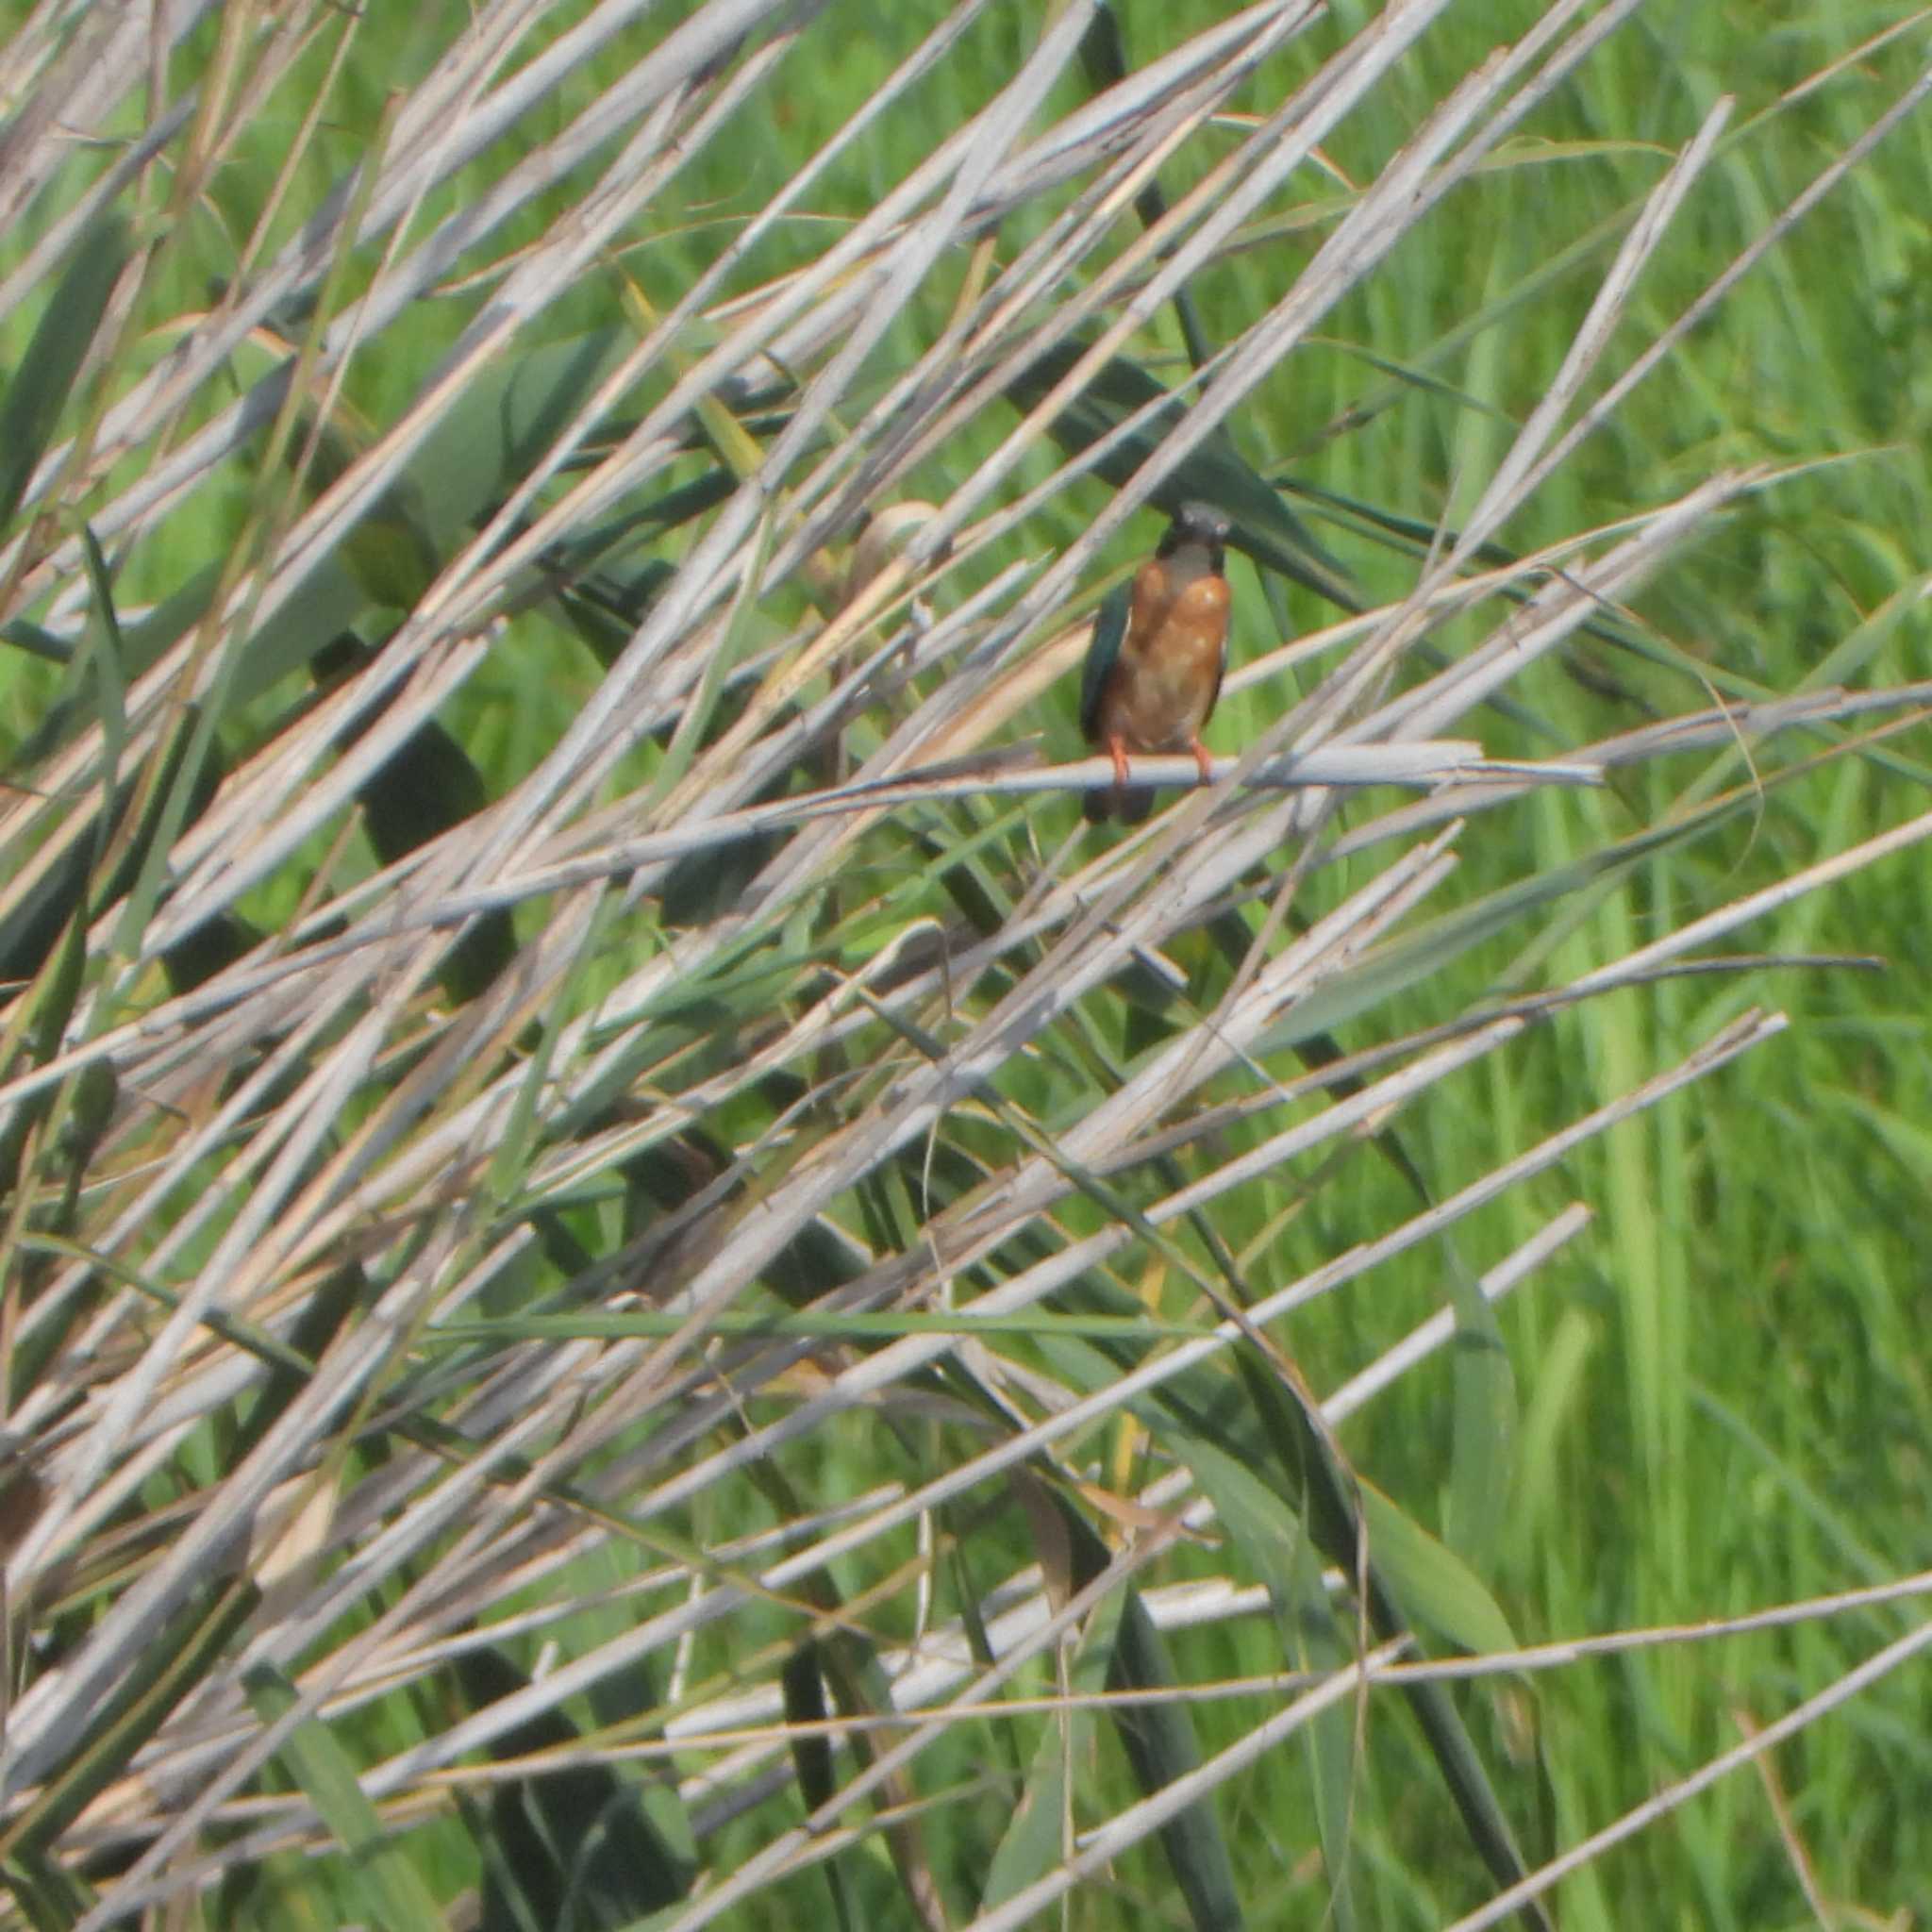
1103	654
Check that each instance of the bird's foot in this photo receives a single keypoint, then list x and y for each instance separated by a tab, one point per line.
1204	758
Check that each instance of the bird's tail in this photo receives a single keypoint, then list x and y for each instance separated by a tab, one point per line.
1130	803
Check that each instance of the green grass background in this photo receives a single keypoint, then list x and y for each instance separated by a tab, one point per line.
1726	1389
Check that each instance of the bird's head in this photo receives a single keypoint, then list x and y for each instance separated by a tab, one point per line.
1199	523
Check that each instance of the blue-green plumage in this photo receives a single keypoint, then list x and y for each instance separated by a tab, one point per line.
1102	651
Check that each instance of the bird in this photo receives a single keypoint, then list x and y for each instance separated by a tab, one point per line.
1154	666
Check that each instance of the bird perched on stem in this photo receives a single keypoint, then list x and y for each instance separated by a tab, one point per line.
1154	668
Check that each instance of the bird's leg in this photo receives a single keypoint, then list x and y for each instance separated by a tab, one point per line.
1204	758
1118	749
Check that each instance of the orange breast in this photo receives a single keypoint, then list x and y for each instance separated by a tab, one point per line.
1163	689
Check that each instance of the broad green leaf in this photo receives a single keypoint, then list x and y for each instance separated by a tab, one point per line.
1266	1531
803	1690
378	1868
572	1850
1215	473
1159	1740
53	1898
491	436
41	385
389	550
327	602
1162	1745
427	786
1035	1839
505	421
1104	55
37	642
1430	1581
1356	1543
1483	1438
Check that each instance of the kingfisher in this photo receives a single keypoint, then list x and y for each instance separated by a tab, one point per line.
1154	668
